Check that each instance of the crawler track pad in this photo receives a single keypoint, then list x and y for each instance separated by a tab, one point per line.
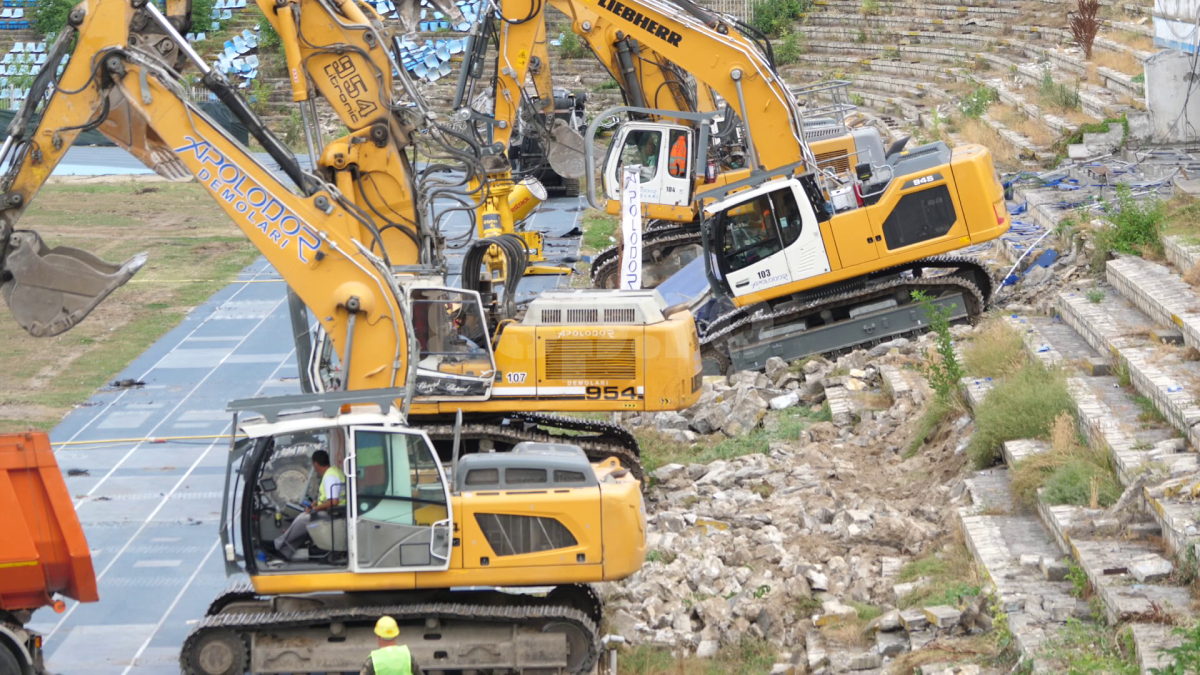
49	290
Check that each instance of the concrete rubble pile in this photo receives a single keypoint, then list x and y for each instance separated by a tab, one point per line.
776	545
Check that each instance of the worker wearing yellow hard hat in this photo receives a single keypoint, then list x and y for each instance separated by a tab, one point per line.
390	658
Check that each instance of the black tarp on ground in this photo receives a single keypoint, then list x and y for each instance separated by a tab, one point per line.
214	109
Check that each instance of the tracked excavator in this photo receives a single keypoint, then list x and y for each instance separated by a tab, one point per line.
803	253
357	239
648	79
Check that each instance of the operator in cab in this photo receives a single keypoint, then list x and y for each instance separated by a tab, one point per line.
390	658
331	494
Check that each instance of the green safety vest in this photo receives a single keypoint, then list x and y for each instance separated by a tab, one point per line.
393	660
336	473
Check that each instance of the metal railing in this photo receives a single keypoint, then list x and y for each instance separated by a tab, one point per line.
829	99
737	8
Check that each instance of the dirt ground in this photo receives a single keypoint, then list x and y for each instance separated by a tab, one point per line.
194	250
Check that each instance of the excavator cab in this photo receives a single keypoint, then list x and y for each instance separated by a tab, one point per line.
455	359
765	237
394	513
664	155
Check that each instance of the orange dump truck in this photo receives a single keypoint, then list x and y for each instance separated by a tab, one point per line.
43	554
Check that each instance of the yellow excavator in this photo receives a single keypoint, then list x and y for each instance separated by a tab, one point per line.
804	252
353	238
357	241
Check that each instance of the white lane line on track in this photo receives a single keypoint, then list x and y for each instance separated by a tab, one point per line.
167	497
118	397
167	416
170	608
199	567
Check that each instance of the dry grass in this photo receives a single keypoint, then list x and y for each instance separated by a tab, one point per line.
750	656
1140	42
1071	472
978	132
1077	117
1183	218
1192	276
995	351
1019	122
1123	62
194	250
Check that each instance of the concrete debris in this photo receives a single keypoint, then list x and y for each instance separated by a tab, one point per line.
793	544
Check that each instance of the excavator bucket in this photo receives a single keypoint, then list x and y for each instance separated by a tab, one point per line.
566	155
49	290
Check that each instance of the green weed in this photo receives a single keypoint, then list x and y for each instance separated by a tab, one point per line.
1071	472
773	17
995	351
1095	296
658	449
1022	405
793	44
1088	648
1057	95
976	103
1135	227
1185	658
571	47
599	230
944	373
951	574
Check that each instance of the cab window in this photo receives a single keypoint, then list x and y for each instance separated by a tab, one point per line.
751	233
677	160
787	214
641	148
397	480
451	332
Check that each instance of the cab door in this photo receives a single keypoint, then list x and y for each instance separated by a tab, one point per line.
400	509
751	254
663	154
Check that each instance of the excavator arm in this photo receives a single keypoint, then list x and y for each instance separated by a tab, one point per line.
316	238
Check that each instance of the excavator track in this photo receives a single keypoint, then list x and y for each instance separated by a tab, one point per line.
607	439
232	632
966	277
656	243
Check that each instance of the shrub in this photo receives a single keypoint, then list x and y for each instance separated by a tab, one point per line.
1084	25
1023	405
789	49
945	372
997	350
571	47
976	103
1135	227
1071	472
268	39
773	17
51	16
870	7
1056	94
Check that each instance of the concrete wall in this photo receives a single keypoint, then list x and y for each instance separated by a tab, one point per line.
1168	76
1175	24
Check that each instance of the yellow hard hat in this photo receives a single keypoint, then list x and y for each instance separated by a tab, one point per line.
386	628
